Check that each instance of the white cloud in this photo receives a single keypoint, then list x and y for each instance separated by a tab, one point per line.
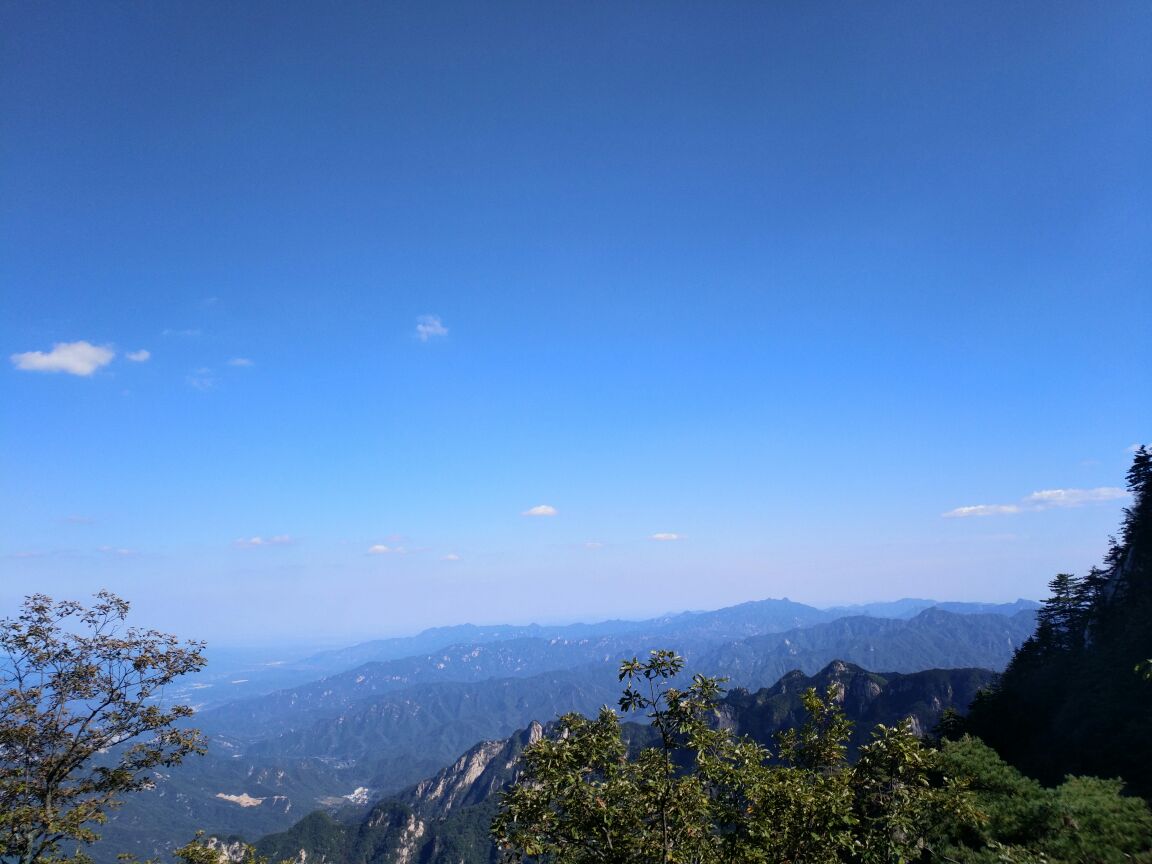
981	510
429	326
75	358
240	361
381	549
257	542
140	356
540	510
593	544
1045	499
664	536
451	556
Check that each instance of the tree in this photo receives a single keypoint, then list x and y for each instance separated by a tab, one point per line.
586	795
702	795
1068	702
82	720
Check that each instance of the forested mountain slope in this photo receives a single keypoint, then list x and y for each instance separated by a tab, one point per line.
1077	697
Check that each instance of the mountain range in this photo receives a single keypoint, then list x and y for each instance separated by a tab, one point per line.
370	730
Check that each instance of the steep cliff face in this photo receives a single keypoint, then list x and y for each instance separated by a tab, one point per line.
443	818
473	778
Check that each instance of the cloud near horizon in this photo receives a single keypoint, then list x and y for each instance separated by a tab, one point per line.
75	358
1045	499
665	536
429	326
540	510
118	552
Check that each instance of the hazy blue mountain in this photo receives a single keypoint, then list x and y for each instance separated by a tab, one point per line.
910	607
234	675
932	639
378	745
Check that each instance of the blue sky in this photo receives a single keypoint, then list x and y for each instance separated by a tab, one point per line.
308	306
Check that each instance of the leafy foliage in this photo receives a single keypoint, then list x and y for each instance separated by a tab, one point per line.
1084	820
82	720
702	795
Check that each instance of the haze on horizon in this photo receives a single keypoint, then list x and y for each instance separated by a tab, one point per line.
338	323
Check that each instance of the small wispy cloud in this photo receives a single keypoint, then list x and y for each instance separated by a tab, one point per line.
982	510
188	333
77	519
74	358
240	361
451	556
593	544
429	327
540	510
1045	499
383	549
258	542
141	356
665	536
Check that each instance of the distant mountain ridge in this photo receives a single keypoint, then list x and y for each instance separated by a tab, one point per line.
755	617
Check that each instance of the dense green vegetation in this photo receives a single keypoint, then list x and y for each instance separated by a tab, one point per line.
1073	700
702	794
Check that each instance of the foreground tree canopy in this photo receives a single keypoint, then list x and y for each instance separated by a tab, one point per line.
82	720
700	795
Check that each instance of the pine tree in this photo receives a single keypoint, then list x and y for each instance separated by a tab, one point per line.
1073	699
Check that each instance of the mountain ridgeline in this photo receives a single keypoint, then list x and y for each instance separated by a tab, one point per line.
375	729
